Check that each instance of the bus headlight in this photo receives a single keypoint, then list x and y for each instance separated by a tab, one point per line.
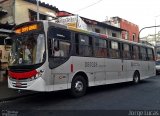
39	74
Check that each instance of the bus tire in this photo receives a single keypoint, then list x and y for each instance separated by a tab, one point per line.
136	78
78	86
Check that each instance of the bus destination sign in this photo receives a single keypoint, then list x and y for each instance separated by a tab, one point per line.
26	28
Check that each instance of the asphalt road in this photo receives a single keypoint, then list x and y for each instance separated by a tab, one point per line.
144	96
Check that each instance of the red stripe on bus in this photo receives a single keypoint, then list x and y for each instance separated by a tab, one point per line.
22	75
71	67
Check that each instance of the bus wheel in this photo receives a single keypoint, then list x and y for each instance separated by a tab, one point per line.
78	86
136	78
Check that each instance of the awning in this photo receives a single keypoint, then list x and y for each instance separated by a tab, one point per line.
5	31
6	26
51	14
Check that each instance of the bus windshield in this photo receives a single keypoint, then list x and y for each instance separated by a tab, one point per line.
27	50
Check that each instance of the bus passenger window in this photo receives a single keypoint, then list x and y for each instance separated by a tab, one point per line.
85	46
58	52
150	54
100	47
77	44
126	51
114	51
59	42
143	53
61	48
135	52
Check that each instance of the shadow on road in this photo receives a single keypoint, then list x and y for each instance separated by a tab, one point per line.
63	95
114	87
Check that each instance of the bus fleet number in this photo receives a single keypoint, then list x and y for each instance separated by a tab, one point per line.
91	64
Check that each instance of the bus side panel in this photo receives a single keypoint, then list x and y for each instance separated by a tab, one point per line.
131	66
152	70
61	75
98	65
64	74
127	71
144	70
113	70
148	69
86	65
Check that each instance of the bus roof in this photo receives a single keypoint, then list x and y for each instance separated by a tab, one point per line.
87	32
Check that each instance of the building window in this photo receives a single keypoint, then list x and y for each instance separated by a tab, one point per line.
114	34
33	16
123	35
126	35
134	37
97	30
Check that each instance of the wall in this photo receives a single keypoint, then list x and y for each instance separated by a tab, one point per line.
93	27
8	5
3	54
6	22
131	29
22	13
103	30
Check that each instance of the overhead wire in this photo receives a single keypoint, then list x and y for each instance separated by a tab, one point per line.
88	6
9	5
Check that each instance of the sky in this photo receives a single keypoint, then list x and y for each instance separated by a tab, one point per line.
143	13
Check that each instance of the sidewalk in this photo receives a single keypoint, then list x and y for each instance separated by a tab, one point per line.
9	94
5	92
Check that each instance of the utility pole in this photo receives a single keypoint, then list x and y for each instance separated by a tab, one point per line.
37	10
155	32
155	36
146	28
156	45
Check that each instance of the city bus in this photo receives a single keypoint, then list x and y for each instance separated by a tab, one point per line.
46	56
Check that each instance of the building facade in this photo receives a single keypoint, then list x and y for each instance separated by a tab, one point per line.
6	25
14	12
26	10
95	26
131	30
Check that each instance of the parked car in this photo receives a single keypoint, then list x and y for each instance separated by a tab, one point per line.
157	67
